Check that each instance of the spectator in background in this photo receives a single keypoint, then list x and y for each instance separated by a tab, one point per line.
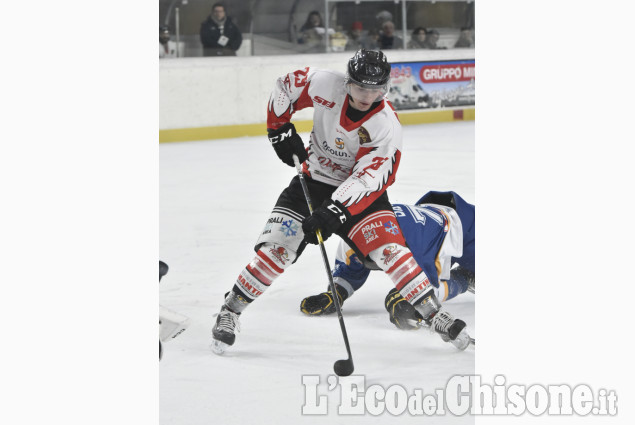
167	48
432	36
357	39
388	40
417	41
314	20
219	35
466	38
382	17
373	39
312	32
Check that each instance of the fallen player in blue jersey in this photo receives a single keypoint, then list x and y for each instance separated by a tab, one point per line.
439	230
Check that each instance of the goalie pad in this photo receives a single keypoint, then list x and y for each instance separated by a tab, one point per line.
171	324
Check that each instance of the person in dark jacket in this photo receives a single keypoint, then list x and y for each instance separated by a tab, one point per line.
388	39
312	31
219	35
432	37
418	39
466	39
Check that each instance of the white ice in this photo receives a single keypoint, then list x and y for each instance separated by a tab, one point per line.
215	197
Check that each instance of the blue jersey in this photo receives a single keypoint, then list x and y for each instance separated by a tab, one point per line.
466	213
439	230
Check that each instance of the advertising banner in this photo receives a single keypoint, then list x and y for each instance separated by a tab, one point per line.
437	84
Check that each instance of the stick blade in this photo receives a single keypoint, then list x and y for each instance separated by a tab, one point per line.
343	367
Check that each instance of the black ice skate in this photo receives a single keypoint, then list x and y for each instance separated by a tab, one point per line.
451	329
321	304
224	332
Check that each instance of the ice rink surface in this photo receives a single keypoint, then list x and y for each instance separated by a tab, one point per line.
215	197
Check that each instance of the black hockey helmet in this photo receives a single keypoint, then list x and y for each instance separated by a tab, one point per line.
369	69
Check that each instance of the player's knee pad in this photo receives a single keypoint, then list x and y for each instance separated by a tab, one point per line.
284	230
273	258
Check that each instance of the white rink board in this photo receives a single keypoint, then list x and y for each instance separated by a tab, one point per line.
206	92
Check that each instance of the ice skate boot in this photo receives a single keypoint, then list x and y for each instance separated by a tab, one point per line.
322	304
451	329
442	322
224	332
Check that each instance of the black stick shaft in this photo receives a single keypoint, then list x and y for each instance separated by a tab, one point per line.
336	301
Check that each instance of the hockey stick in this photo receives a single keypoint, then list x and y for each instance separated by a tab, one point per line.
341	367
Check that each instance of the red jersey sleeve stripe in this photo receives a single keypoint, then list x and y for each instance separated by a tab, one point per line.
370	197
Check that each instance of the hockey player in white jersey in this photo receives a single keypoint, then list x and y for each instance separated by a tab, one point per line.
352	158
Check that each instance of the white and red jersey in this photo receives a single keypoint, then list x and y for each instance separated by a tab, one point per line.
359	158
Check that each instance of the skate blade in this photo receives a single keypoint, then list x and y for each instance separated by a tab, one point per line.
462	341
219	347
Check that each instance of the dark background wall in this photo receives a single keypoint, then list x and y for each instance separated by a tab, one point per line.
277	18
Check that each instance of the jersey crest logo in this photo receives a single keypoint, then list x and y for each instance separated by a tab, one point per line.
364	137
